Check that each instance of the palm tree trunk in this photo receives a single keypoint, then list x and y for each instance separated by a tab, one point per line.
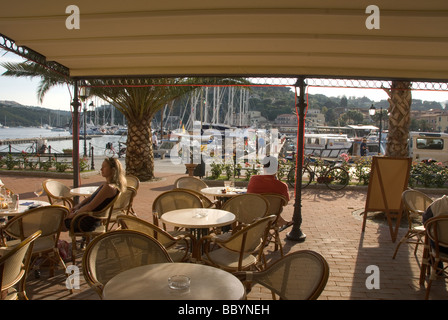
139	155
400	99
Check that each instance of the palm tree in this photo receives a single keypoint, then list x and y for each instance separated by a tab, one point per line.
400	99
137	99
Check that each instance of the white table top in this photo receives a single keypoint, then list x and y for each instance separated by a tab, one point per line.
217	191
24	205
190	218
83	191
150	282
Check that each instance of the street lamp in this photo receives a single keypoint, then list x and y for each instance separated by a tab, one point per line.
372	111
84	93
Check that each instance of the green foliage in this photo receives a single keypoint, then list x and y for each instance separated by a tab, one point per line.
84	164
216	170
428	174
362	170
62	166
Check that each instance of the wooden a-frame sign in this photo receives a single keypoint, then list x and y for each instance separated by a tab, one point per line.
389	177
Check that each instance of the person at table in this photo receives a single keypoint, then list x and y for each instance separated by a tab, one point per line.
268	183
437	208
112	171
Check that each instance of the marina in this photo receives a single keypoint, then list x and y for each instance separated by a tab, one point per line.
16	140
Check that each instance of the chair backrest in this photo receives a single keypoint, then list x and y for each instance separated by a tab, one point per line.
437	230
173	200
132	181
117	251
251	238
124	200
47	219
136	224
301	275
415	201
191	183
57	192
247	207
276	202
205	201
14	263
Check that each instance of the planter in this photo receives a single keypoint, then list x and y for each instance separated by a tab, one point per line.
190	168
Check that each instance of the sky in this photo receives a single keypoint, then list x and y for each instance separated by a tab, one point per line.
24	91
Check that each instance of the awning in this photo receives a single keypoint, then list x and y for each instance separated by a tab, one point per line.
323	38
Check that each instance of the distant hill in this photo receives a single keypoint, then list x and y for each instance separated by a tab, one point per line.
13	114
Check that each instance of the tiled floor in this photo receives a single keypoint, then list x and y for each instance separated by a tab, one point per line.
333	228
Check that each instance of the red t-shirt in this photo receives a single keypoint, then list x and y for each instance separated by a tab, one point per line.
267	184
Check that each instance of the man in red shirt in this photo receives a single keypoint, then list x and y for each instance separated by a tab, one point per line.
268	183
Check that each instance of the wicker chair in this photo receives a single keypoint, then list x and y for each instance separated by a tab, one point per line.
58	192
191	183
437	232
177	247
206	202
173	200
123	205
301	275
49	220
276	204
14	264
415	203
132	181
241	251
75	227
246	208
117	251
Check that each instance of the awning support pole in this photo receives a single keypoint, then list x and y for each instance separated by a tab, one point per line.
296	233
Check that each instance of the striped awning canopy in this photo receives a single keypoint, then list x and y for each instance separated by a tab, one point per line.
399	39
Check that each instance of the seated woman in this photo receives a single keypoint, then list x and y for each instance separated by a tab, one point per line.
112	170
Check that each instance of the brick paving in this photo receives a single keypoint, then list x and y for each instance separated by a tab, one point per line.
332	229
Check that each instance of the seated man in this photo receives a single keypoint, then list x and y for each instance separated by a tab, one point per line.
268	183
437	208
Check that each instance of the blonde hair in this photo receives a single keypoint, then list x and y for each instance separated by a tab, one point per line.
118	177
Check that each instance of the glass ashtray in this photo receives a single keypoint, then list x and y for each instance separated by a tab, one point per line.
179	282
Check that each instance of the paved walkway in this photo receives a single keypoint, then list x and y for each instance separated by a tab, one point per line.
331	227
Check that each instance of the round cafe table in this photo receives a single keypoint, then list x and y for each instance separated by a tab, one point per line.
220	196
150	282
83	191
198	220
24	205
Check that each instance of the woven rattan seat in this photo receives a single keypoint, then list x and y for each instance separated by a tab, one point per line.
243	250
14	264
173	200
246	208
415	203
437	232
206	202
117	251
132	181
191	183
301	275
48	220
276	204
58	193
123	205
177	247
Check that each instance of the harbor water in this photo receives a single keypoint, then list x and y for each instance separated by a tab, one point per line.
97	142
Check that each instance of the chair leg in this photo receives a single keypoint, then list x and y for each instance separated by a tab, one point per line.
278	242
404	239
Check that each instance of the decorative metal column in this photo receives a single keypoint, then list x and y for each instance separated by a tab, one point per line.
75	135
296	233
